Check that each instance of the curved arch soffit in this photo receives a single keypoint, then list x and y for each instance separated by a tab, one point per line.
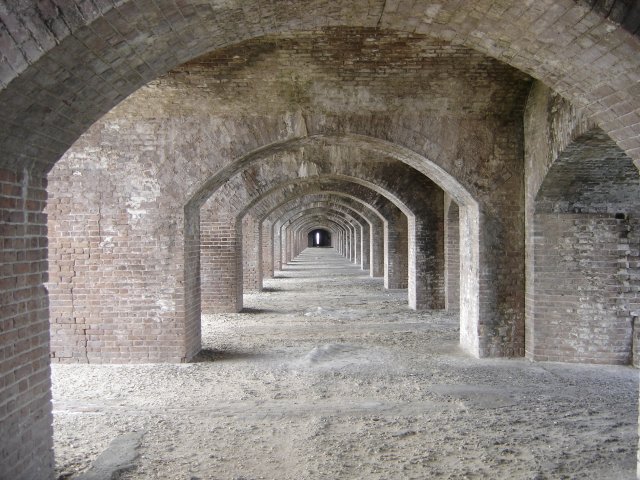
311	179
400	153
329	195
326	222
330	207
490	33
329	214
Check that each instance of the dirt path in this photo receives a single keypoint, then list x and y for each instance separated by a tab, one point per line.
327	376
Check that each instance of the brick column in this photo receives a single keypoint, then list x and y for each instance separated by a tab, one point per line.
192	295
426	255
377	250
221	265
357	238
268	245
277	247
251	254
426	263
25	385
452	255
396	254
365	246
289	245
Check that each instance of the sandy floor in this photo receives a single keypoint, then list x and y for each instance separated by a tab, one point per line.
326	376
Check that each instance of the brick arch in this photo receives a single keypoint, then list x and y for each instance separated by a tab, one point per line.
319	237
600	74
480	265
303	221
372	217
303	218
587	224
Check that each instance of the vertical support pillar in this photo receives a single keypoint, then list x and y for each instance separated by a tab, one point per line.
251	254
377	250
426	255
26	449
267	249
365	246
221	264
396	252
452	255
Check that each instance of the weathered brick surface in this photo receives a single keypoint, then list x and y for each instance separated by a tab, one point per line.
115	266
268	262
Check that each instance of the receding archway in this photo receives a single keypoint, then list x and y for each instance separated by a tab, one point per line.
585	255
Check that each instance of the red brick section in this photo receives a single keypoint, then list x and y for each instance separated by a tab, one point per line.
25	396
115	270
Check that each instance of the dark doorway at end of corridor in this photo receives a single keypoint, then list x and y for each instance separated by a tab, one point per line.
319	238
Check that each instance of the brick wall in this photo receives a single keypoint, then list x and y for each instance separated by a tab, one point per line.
580	312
